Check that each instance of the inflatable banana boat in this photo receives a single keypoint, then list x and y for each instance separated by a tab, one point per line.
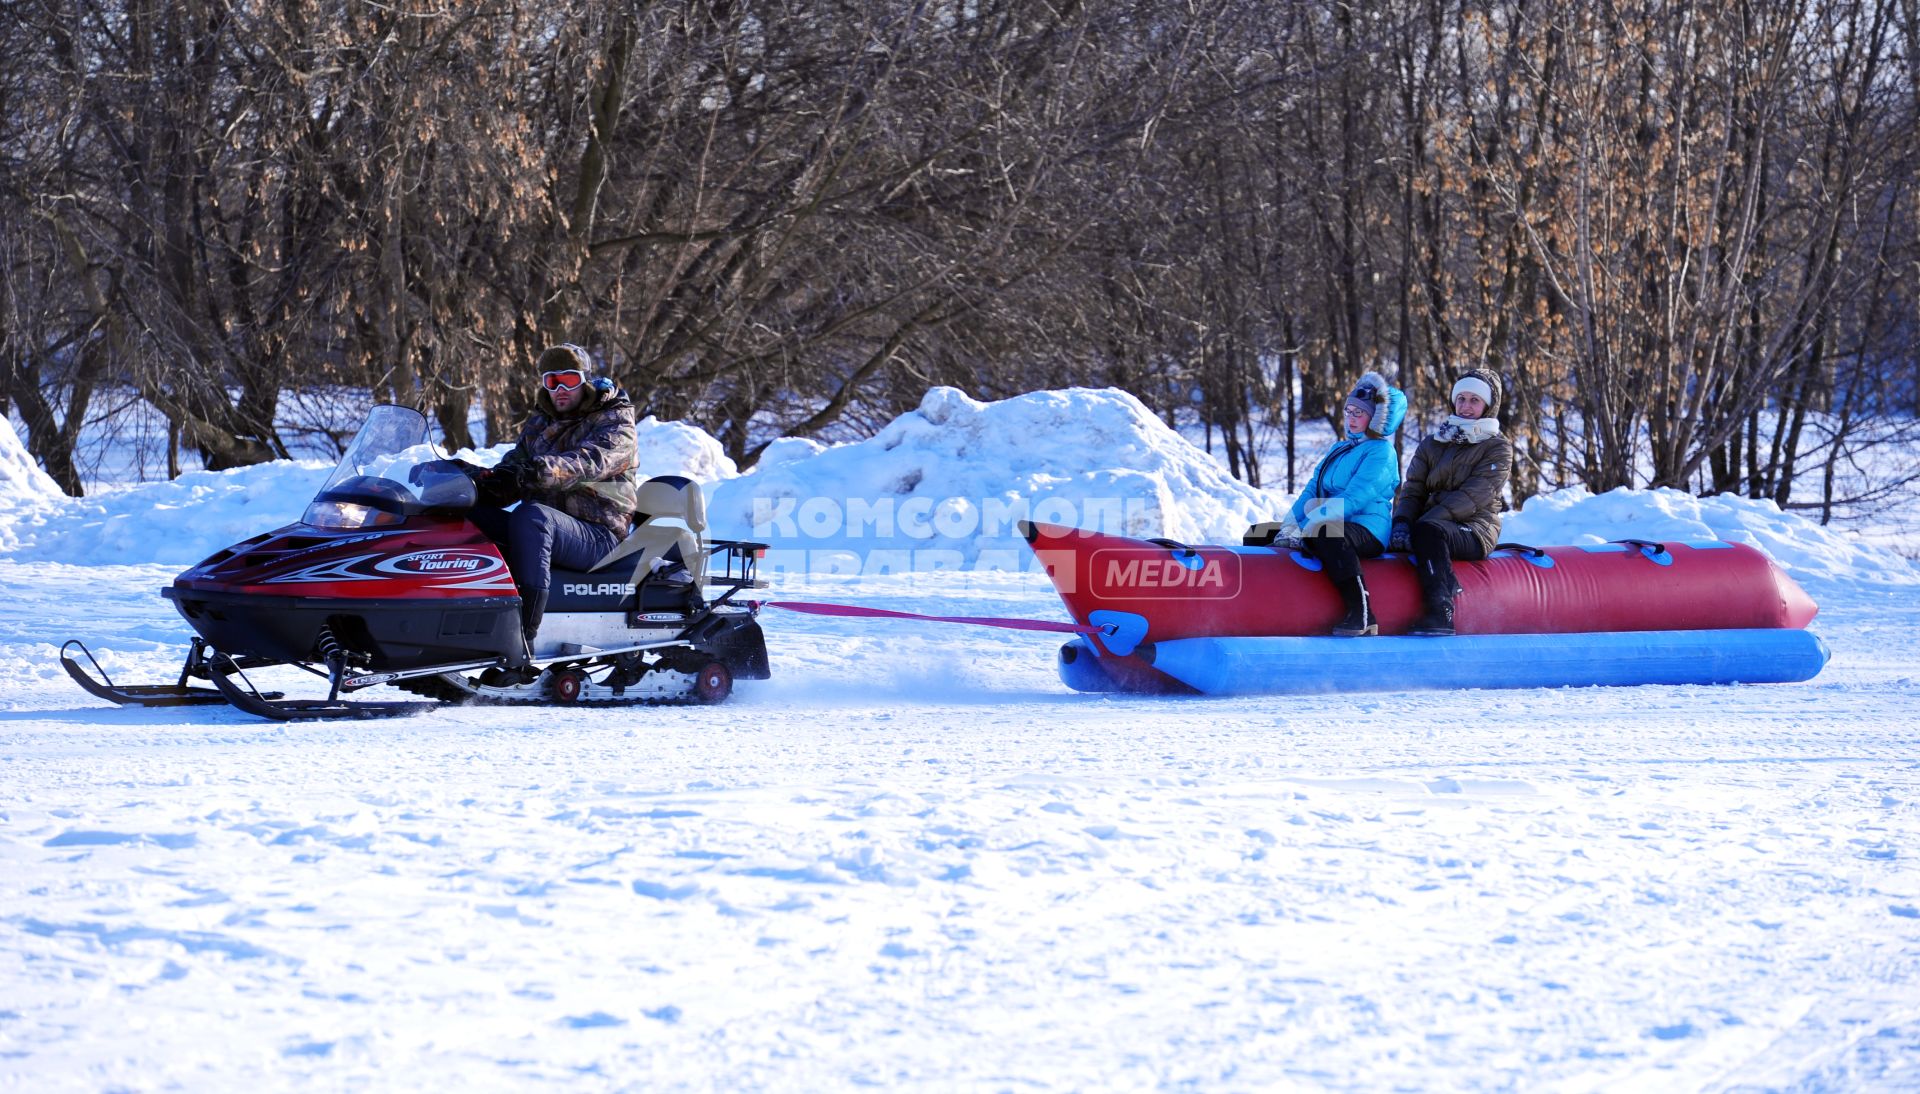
1168	617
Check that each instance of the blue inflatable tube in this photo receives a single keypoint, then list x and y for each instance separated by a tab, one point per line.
1080	668
1262	666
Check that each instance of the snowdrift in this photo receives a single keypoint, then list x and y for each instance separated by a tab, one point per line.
20	476
1799	545
24	487
952	477
957	474
674	448
178	522
184	521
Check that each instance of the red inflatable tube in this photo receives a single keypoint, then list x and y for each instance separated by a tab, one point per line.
1211	591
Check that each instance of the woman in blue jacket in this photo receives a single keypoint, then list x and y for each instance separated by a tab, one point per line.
1345	512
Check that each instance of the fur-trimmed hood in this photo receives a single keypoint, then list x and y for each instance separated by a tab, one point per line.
1385	397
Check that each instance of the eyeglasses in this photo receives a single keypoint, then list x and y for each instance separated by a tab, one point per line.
568	378
1369	393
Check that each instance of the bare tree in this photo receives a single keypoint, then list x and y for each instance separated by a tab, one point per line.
1680	232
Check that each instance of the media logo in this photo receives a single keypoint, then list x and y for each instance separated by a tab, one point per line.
1181	573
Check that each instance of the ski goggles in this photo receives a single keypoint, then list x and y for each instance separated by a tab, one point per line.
568	378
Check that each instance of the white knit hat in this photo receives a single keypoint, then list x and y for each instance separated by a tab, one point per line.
1482	382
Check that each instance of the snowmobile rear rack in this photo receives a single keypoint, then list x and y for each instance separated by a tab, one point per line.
741	564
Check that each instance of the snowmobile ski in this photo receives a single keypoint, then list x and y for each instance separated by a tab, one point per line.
242	695
178	694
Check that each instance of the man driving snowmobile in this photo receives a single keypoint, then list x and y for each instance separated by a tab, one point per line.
572	473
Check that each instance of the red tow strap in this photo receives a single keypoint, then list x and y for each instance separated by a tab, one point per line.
854	611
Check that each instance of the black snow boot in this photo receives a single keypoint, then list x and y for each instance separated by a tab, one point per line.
502	676
514	671
1437	622
1359	621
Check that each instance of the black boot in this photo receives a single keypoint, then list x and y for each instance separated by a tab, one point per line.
1438	586
1437	622
513	671
504	676
1359	621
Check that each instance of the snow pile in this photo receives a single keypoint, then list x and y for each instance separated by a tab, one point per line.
24	488
946	483
20	476
956	476
787	450
1799	545
183	521
178	522
677	448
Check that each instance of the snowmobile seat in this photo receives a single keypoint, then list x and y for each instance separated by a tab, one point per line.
670	516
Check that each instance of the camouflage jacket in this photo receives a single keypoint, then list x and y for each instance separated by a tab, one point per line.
586	460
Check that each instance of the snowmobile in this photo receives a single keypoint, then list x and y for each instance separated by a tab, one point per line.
384	580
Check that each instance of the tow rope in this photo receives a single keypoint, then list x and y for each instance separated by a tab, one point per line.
854	611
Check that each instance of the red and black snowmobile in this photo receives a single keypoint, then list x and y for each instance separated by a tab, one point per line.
385	581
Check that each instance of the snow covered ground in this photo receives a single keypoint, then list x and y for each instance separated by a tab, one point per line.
914	859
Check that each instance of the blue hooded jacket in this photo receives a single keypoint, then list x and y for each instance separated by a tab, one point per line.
1355	481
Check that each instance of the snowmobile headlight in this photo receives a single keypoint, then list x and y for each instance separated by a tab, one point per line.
326	513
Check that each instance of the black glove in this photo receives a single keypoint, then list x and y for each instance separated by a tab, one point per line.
419	473
1261	535
512	479
496	489
526	477
1400	540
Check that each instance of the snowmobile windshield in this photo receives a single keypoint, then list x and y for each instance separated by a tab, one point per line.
390	472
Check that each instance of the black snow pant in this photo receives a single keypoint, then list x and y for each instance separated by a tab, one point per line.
536	538
1340	555
1436	543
